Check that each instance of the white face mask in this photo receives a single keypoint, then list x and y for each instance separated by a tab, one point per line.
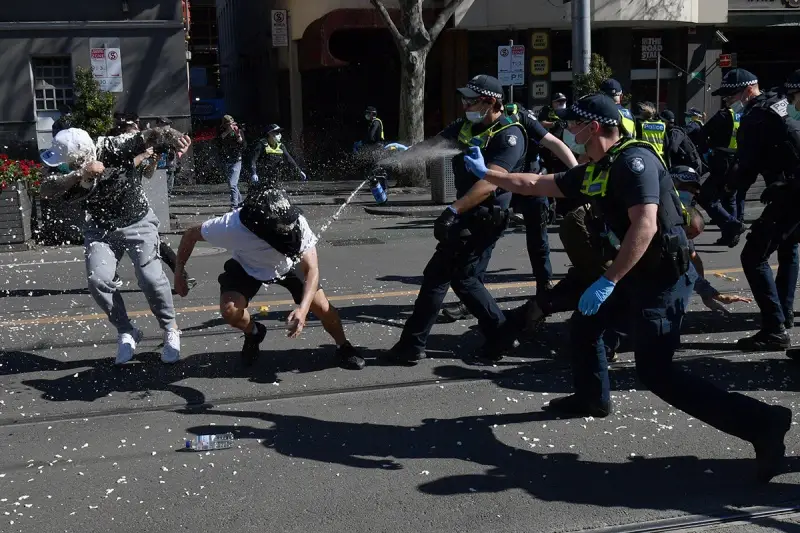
793	111
475	116
278	137
570	139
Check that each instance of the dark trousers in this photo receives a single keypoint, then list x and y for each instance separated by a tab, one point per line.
655	313
460	264
720	205
535	210
775	230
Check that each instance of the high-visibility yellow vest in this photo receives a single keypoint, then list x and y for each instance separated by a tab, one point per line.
627	122
381	123
733	144
654	132
595	181
278	150
466	138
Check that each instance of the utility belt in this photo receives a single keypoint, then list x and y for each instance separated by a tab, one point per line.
668	253
493	216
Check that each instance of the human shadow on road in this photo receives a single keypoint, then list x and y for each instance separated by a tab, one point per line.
97	378
685	483
494	276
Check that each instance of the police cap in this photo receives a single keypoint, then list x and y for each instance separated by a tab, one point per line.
667	116
597	107
792	84
371	109
559	97
482	85
694	112
685	174
611	87
735	81
272	128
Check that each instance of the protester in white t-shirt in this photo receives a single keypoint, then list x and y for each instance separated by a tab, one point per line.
257	260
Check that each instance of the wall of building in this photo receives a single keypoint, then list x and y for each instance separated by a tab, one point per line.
152	48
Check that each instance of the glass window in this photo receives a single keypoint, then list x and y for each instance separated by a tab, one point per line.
52	80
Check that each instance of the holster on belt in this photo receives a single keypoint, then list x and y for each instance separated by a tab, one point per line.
493	216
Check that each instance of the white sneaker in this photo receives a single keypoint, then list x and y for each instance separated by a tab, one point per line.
172	346
126	346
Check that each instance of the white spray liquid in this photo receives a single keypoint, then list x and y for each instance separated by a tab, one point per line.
342	207
419	156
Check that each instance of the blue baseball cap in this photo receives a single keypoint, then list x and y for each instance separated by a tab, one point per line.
611	87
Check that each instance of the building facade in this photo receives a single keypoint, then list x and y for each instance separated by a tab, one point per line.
338	56
136	48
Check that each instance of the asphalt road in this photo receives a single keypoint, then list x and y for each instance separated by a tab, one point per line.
442	446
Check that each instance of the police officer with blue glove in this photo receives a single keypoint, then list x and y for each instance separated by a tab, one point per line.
271	160
769	145
468	229
635	199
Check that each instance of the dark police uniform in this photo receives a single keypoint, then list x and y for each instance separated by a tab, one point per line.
654	292
534	209
273	164
374	134
769	144
460	261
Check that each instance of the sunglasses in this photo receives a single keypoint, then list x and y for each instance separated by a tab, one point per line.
469	102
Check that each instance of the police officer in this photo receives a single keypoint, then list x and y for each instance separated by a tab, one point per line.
632	194
693	120
769	144
271	160
469	228
374	134
535	210
613	89
718	141
649	126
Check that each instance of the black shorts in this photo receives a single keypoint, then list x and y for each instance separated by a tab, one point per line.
236	279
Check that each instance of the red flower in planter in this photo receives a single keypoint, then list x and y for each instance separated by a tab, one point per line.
3	157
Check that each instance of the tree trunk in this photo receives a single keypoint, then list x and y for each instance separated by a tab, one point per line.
412	110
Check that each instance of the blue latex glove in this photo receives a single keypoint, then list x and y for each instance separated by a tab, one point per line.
357	146
475	163
595	295
303	176
254	178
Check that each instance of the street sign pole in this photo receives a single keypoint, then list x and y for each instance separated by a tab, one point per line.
658	82
511	87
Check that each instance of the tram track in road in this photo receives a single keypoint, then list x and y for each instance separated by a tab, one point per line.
547	367
711	521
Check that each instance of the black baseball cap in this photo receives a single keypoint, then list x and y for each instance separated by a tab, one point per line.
611	87
272	128
371	109
694	112
735	81
792	84
667	116
164	121
482	85
597	107
559	97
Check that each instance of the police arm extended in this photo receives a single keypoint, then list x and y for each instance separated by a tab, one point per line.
479	192
525	184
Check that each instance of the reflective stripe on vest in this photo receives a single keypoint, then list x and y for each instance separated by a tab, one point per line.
627	122
278	150
465	136
654	132
381	123
595	181
733	144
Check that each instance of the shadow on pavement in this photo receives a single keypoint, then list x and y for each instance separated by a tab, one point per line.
681	483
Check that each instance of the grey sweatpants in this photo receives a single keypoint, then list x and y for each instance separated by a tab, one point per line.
103	251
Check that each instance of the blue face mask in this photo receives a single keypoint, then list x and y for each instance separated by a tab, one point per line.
793	111
686	198
63	168
737	107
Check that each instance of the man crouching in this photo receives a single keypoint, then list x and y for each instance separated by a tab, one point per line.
271	243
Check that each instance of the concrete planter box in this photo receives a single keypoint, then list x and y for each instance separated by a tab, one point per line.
15	217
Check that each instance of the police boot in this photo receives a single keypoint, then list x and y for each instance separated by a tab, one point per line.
573	406
765	341
455	313
497	347
401	353
770	447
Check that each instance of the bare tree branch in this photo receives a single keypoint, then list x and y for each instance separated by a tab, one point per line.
442	19
399	39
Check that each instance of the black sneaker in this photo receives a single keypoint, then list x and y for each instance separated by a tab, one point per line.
794	354
494	351
349	358
403	354
250	349
789	324
770	448
456	313
765	341
574	407
611	355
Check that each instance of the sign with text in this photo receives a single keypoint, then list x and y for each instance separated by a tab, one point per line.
105	58
540	65
540	40
280	28
511	65
651	47
753	5
540	90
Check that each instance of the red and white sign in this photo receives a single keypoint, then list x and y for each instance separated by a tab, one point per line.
725	61
511	65
106	60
